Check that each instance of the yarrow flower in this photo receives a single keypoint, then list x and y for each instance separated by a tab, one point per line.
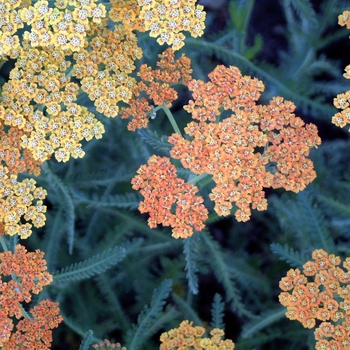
29	275
187	336
254	147
166	20
107	345
342	101
319	296
157	86
21	205
162	191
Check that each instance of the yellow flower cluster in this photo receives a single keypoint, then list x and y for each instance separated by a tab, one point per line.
73	39
325	297
10	23
105	67
187	337
166	20
58	124
342	101
21	205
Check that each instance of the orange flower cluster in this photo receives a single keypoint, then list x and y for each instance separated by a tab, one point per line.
187	337
157	85
166	20
163	191
35	333
326	297
107	345
254	147
342	101
29	276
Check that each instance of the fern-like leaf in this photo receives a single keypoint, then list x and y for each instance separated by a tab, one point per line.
97	264
287	254
122	201
341	209
190	251
187	310
264	320
149	315
158	143
221	272
315	221
86	341
65	200
217	312
305	10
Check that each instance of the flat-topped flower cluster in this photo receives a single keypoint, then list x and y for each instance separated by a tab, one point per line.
319	296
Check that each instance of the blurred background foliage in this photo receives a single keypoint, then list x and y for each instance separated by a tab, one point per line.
113	271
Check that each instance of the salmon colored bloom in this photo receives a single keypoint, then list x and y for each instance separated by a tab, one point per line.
320	297
253	148
168	199
342	100
157	86
29	275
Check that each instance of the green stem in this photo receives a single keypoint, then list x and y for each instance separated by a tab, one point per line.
4	244
248	8
197	178
171	119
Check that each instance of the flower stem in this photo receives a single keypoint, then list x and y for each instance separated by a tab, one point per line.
171	119
3	244
197	178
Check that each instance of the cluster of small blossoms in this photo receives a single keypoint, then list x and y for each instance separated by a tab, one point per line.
36	333
58	123
156	84
21	205
342	101
107	345
320	293
10	23
254	147
127	12
163	191
166	20
29	276
187	337
39	99
63	26
105	68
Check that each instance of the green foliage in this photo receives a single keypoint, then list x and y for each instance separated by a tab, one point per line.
264	320
221	271
217	312
86	341
91	267
149	316
119	279
286	253
190	252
